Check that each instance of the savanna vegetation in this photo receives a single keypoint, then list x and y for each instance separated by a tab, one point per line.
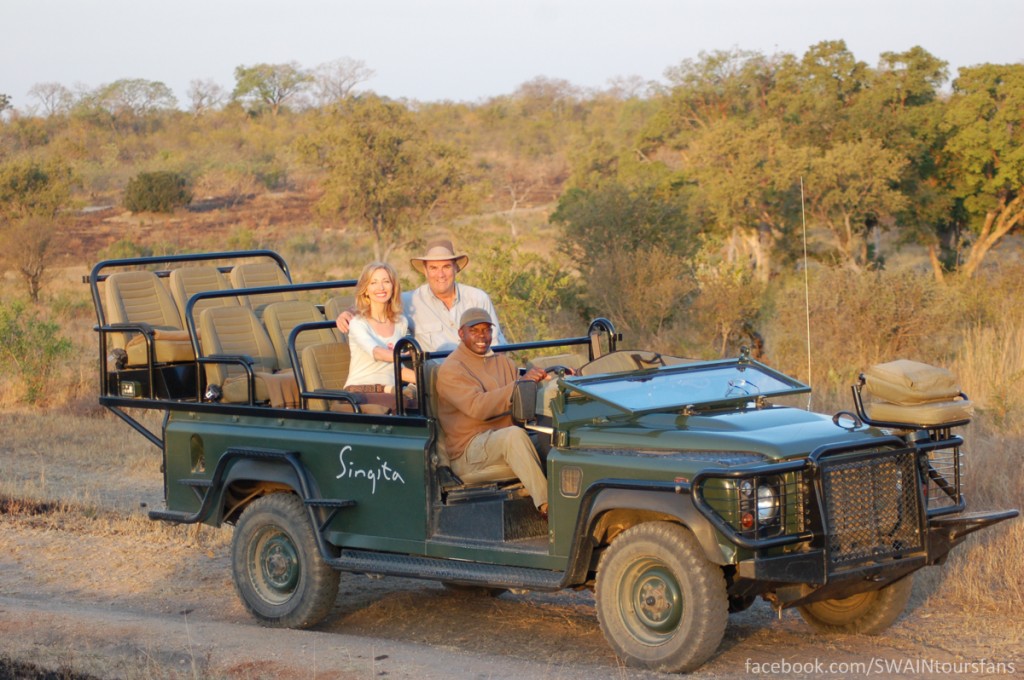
829	212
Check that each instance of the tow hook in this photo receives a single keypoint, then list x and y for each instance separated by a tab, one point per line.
774	601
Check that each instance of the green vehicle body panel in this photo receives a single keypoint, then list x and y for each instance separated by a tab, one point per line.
382	469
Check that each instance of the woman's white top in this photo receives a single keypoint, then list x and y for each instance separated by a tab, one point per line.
364	369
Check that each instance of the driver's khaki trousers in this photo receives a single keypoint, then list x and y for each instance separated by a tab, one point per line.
511	446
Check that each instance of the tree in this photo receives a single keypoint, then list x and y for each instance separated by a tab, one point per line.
134	97
383	170
5	102
269	86
716	86
30	189
851	187
335	80
205	95
746	179
818	95
25	247
903	110
985	123
53	98
631	247
525	287
30	197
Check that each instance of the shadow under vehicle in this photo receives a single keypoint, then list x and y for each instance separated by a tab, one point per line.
680	491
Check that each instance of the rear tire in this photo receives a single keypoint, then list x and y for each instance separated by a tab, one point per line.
276	566
865	613
661	603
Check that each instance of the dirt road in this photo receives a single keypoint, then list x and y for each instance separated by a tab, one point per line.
89	585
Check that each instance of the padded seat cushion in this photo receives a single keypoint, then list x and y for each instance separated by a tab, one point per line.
168	347
929	413
908	382
280	389
491	473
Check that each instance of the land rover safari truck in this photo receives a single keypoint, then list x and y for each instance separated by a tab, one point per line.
680	491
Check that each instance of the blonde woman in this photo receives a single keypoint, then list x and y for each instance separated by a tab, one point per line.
372	334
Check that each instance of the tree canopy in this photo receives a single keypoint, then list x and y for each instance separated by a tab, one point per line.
383	169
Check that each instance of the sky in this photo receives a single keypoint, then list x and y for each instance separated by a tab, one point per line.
467	50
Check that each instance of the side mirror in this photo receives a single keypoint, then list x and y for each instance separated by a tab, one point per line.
524	401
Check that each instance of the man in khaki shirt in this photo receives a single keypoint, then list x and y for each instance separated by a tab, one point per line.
474	392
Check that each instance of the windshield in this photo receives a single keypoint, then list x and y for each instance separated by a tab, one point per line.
675	387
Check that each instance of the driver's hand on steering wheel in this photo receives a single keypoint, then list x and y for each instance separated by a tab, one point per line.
536	375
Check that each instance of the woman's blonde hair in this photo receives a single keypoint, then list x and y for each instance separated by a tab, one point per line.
392	310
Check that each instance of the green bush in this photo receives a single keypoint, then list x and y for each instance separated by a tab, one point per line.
123	249
32	347
157	192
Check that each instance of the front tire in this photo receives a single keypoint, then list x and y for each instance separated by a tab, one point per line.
866	613
276	566
661	603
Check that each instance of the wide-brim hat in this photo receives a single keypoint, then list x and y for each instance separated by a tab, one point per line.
439	250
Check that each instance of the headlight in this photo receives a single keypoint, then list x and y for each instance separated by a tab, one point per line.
767	504
762	501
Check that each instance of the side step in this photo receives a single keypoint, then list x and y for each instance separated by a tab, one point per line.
452	571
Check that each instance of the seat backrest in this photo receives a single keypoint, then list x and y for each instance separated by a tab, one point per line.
569	360
257	275
187	281
139	297
234	330
624	361
428	390
324	367
280	318
336	305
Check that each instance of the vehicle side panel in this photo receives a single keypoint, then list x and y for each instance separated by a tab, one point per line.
383	472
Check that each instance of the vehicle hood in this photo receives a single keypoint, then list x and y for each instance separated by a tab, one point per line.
777	433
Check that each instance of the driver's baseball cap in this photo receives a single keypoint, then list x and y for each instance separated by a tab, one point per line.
473	316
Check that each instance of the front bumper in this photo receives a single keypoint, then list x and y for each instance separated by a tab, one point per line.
801	577
853	518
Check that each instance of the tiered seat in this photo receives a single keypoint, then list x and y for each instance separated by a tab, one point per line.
187	281
280	318
236	332
259	275
140	299
336	305
916	393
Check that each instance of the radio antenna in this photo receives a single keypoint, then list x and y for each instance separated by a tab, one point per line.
807	292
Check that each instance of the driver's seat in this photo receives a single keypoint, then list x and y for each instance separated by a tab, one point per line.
492	473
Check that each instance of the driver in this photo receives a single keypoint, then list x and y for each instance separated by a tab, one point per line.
474	392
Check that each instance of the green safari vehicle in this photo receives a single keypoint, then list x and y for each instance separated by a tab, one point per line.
680	491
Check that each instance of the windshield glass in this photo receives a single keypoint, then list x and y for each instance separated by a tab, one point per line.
675	387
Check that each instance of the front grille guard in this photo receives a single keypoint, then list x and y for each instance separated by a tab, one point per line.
806	484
